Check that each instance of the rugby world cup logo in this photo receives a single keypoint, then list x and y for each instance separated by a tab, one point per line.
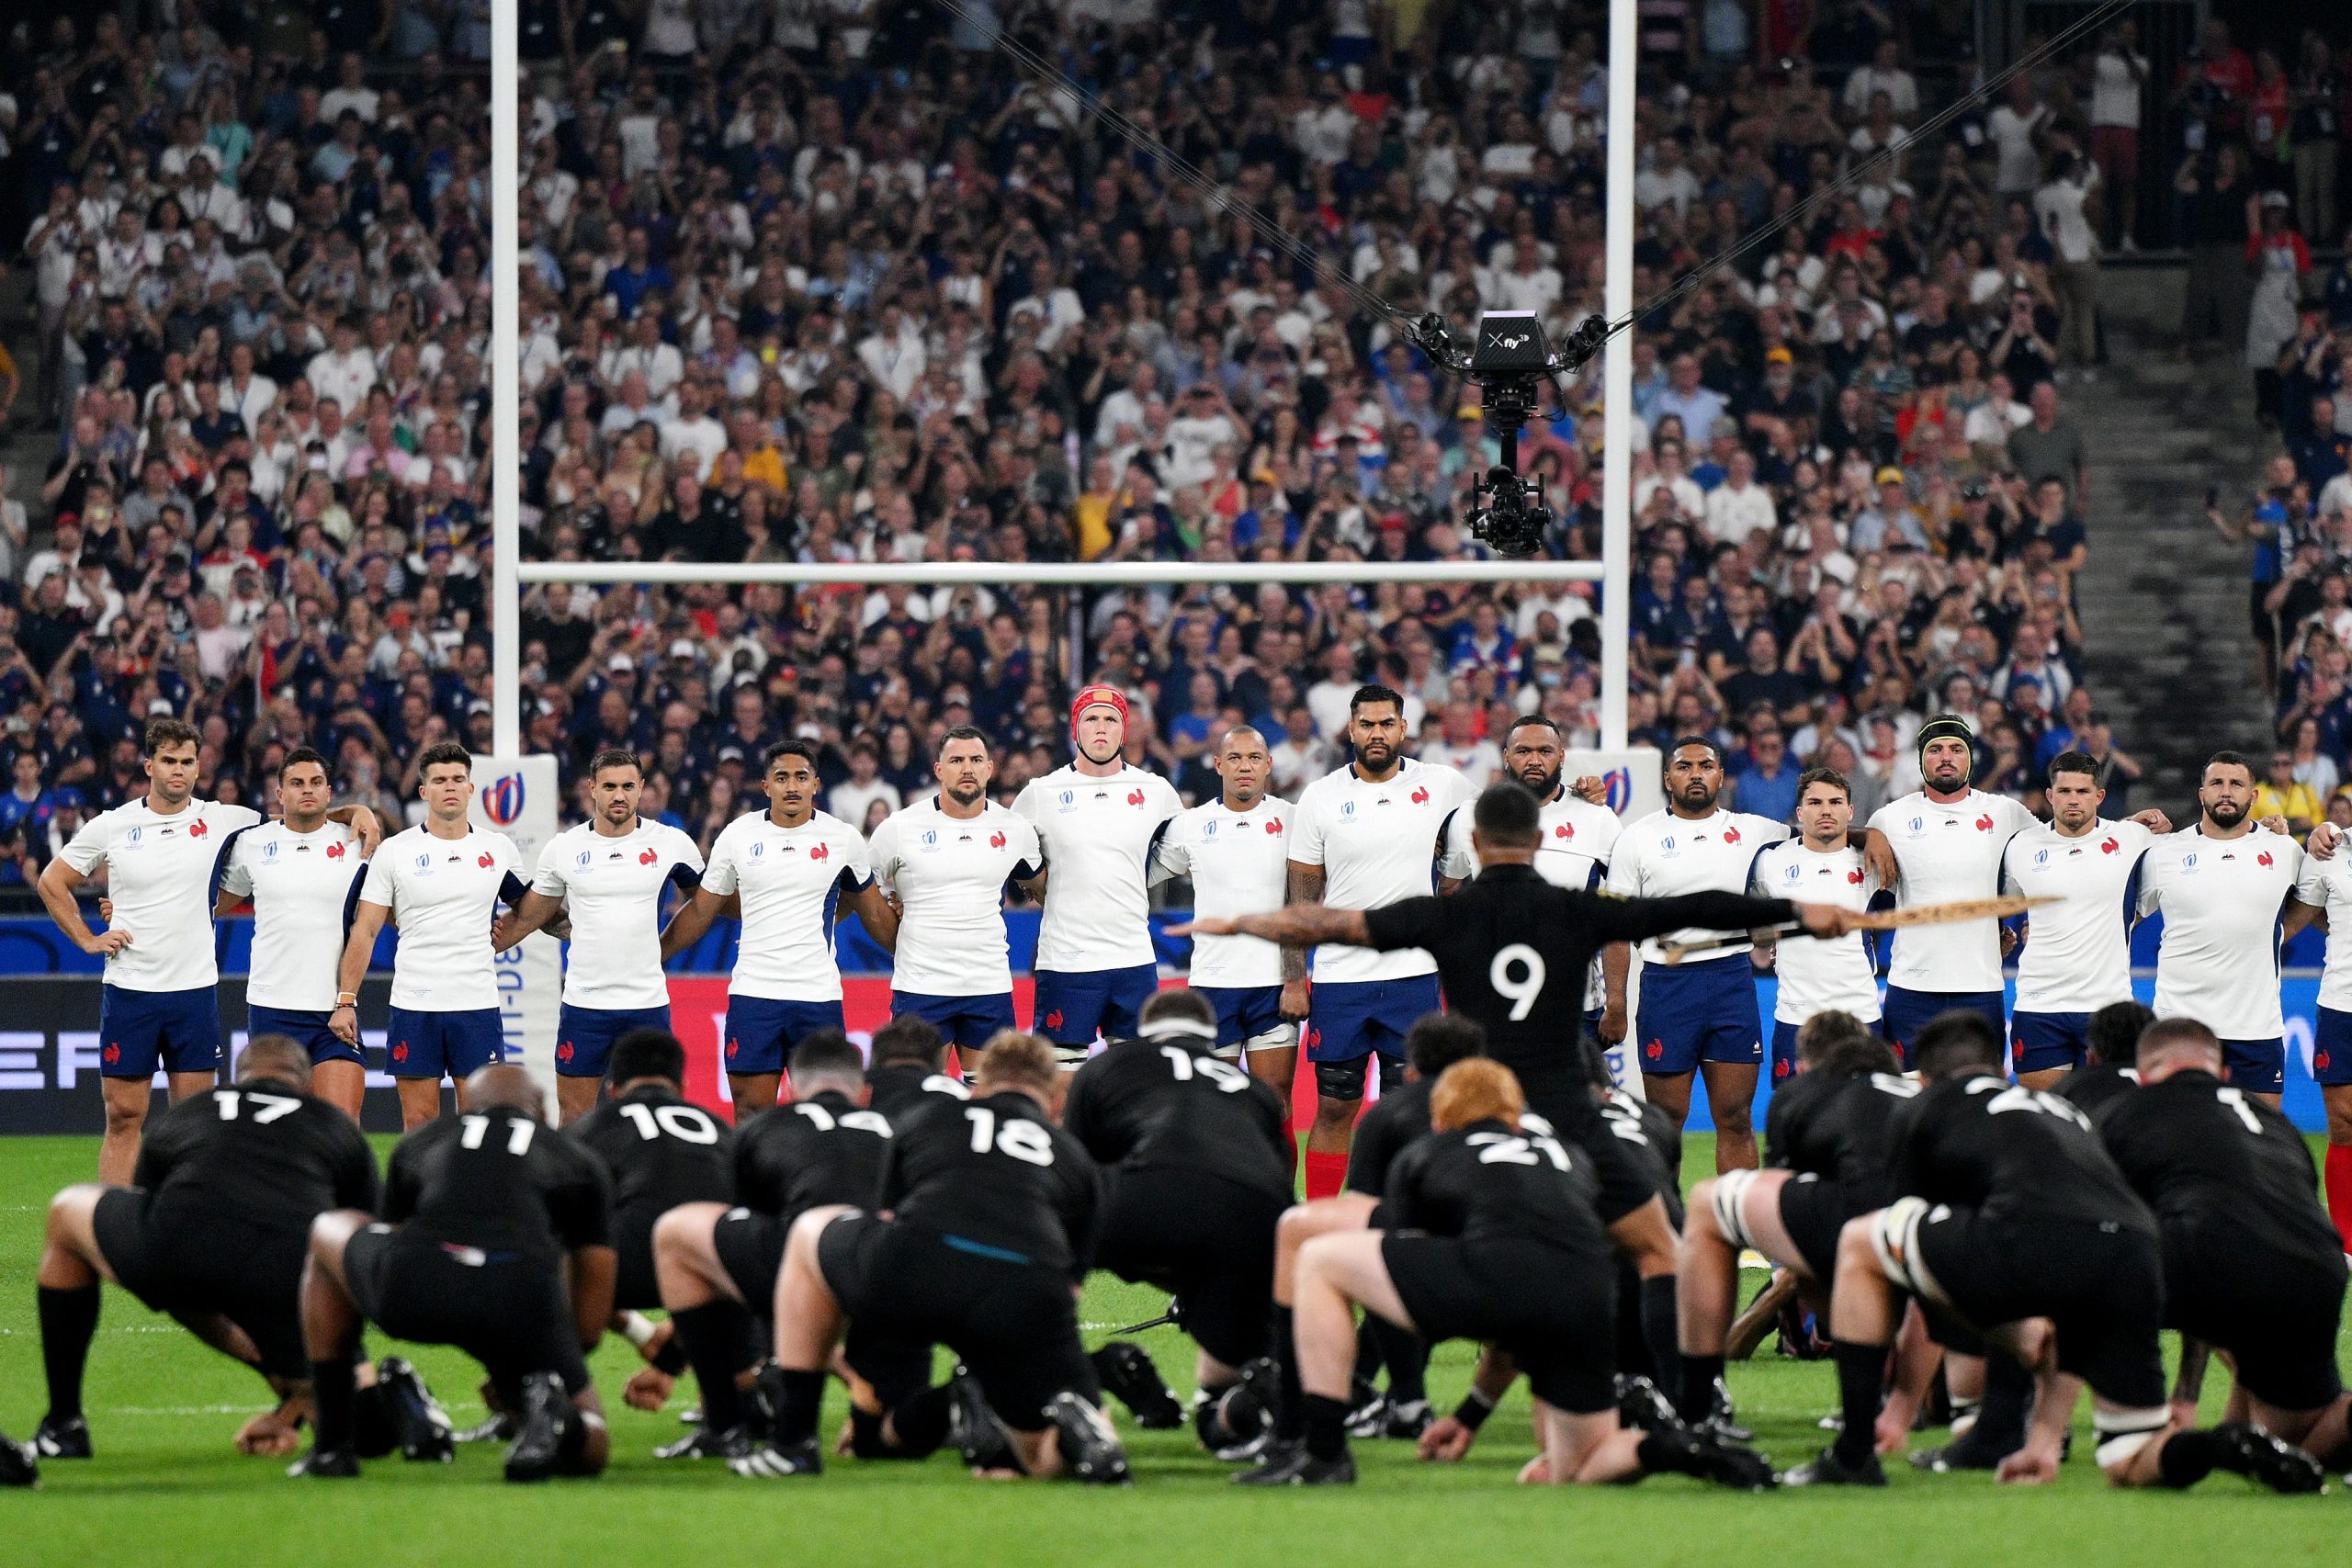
502	799
1617	785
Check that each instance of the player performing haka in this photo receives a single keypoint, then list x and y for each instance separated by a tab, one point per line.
2251	1263
1096	821
1366	835
1236	850
496	1237
1695	1017
303	874
2227	894
441	883
1819	865
607	876
2077	956
784	870
946	863
162	855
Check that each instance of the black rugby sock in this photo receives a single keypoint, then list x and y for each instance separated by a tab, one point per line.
332	1394
1327	1427
1290	1418
1861	1383
1662	1332
796	1416
2188	1458
1661	1456
713	1334
919	1421
1697	1400
2001	1414
1408	1356
69	1318
1368	1348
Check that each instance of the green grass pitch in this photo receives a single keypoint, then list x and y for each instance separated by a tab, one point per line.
167	1487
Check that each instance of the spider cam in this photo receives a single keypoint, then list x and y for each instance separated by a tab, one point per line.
1506	362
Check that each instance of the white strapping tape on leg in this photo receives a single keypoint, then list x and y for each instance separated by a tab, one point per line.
1895	1239
2123	1433
1730	1197
1282	1037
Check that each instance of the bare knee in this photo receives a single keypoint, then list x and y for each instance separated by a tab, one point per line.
1336	1115
125	1114
1855	1248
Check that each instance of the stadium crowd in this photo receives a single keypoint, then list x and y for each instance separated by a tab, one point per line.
803	282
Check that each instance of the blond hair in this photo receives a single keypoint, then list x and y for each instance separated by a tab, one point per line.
1477	1089
1015	1060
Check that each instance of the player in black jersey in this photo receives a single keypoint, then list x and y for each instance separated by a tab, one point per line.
2013	1219
1489	1234
982	1230
909	1060
2113	1047
1827	1138
661	1153
1513	953
718	1264
2252	1263
213	1230
497	1237
1196	1162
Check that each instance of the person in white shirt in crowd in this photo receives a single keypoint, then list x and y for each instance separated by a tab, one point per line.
1883	75
2077	955
2230	902
1301	755
1820	865
1695	1017
944	862
2119	77
156	1005
853	797
1459	746
605	877
1739	506
302	874
441	884
1235	850
1096	819
1365	836
2065	210
782	872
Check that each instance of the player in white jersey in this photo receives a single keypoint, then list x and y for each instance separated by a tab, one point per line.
1364	837
1236	849
2227	893
1696	1017
302	874
946	862
2077	955
2326	884
1096	821
156	1006
782	872
441	884
606	877
1820	865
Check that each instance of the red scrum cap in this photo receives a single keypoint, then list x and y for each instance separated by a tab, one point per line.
1089	697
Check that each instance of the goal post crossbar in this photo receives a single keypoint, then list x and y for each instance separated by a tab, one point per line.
1070	574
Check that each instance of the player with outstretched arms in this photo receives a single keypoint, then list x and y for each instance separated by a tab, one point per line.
1366	835
2077	953
1236	850
2227	894
947	861
304	873
1096	821
784	870
607	877
1820	865
1695	1017
162	855
441	882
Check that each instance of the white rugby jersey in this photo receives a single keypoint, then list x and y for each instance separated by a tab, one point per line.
1239	864
790	881
1817	975
1377	844
445	894
1663	855
302	885
2077	955
2327	885
950	876
1096	835
612	889
159	875
1943	853
2220	900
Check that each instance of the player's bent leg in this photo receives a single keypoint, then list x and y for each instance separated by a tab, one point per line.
71	1264
330	1335
126	1103
1707	1279
1731	1096
808	1324
1301	1223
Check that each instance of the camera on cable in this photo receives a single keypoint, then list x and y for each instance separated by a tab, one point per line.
1510	357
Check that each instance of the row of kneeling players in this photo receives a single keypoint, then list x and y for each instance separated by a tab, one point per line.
2020	1244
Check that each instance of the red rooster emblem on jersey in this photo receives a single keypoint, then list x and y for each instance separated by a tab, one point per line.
400	1052
2109	846
1421	795
2262	859
1564	832
1731	834
1311	1036
1054	1018
996	841
1985	823
113	1053
1655	1050
563	1052
821	852
1135	797
335	851
733	1046
1855	876
486	860
198	828
1275	825
647	857
2318	1062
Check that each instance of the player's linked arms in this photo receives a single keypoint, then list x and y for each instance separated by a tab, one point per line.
1294	925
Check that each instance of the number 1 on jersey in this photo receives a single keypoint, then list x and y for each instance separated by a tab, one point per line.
477	1128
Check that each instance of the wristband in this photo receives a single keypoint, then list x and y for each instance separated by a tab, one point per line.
346	999
1474	1409
638	1328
